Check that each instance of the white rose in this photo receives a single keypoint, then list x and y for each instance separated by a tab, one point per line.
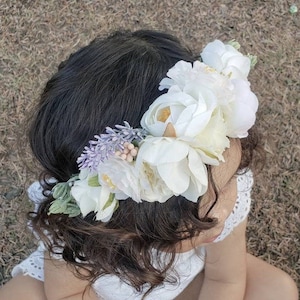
226	59
178	165
120	177
152	187
189	102
93	198
187	114
194	105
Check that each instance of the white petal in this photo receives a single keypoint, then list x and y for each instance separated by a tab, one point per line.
156	151
104	215
86	197
199	180
180	72
242	117
241	121
175	175
241	63
165	83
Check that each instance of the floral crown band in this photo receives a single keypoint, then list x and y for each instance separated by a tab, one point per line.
183	130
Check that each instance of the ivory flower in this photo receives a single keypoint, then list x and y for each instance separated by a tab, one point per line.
120	177
93	197
178	165
152	186
226	59
204	106
194	106
187	114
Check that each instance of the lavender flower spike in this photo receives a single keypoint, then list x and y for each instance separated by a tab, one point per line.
106	144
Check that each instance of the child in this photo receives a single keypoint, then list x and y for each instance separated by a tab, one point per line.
155	205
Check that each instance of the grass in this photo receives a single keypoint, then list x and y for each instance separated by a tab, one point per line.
37	35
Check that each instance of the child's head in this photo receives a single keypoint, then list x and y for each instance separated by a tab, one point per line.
110	81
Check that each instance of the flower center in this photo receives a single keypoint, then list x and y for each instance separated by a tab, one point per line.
107	179
149	174
164	114
210	69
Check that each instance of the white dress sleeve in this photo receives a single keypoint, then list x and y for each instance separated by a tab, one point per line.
33	265
242	205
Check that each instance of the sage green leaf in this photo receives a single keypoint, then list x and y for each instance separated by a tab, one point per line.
60	190
253	60
72	210
57	207
234	44
64	202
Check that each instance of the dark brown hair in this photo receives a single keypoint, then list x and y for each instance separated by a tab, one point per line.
111	80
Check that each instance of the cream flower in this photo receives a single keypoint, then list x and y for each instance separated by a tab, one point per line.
176	164
187	114
204	106
186	75
213	140
120	177
152	187
193	105
179	75
93	197
226	59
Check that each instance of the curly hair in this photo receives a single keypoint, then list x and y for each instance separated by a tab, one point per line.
106	82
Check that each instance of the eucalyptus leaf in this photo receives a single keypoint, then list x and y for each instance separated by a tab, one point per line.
253	60
57	207
60	190
234	44
72	210
64	202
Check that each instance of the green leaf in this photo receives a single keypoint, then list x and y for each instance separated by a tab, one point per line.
57	207
93	181
293	9
64	202
60	190
253	60
234	44
109	202
72	210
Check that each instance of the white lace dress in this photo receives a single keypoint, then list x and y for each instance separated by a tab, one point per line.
186	266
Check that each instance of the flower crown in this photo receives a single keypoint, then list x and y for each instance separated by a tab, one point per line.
183	130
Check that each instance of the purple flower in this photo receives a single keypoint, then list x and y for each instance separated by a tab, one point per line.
108	143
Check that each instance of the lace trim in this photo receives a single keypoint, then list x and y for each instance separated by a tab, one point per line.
242	205
32	266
